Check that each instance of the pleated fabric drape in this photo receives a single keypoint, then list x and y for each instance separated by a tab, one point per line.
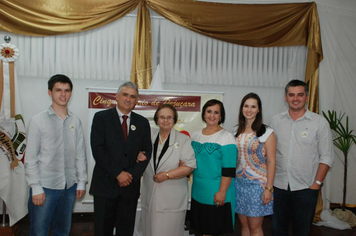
256	25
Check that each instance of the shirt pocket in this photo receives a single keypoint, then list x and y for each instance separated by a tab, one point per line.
307	142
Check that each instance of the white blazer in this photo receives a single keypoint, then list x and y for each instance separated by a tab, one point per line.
171	195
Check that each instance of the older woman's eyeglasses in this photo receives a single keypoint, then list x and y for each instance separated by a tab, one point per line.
165	117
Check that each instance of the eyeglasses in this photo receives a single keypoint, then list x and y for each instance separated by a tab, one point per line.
165	118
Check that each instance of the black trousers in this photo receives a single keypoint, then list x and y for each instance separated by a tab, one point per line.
114	212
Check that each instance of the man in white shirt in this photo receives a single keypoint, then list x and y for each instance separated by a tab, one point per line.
303	157
55	162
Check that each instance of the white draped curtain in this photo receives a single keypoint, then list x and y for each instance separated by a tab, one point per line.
188	57
184	56
101	54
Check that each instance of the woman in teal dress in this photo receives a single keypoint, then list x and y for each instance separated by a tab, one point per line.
213	192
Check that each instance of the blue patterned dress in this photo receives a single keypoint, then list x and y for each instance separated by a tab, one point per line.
216	157
251	175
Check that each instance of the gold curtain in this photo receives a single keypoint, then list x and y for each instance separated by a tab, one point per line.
53	17
141	70
256	25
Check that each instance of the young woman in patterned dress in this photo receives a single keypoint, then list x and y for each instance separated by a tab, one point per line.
256	165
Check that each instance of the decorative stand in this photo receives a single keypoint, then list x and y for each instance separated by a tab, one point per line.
5	229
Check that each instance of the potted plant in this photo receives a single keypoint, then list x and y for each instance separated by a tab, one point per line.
343	140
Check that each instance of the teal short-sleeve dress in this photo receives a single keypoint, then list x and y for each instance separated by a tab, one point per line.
216	156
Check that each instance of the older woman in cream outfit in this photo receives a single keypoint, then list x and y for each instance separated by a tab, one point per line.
164	196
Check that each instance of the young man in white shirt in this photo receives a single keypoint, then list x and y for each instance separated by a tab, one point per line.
55	162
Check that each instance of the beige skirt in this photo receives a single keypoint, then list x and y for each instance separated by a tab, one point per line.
162	223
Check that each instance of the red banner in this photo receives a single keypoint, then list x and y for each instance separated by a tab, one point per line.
147	102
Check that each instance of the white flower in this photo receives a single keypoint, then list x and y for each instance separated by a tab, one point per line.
71	127
176	145
304	134
8	52
133	128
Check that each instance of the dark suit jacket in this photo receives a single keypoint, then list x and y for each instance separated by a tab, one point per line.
113	155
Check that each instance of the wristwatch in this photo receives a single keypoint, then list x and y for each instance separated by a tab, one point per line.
319	183
270	189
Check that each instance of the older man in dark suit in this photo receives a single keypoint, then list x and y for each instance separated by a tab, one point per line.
117	137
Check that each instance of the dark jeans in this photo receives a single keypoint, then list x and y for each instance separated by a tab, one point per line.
297	207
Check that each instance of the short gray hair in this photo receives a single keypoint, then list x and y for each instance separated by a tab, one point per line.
130	85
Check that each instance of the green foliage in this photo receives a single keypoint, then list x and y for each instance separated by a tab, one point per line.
343	140
343	137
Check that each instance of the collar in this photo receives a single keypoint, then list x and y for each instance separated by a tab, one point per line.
172	135
307	114
121	114
51	112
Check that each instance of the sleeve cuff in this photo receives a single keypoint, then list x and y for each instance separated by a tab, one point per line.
81	186
36	189
228	172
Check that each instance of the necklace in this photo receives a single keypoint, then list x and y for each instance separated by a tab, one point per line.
211	131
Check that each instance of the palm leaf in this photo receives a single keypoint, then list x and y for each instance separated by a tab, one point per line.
343	139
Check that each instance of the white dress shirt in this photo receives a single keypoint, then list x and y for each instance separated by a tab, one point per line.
55	154
301	146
